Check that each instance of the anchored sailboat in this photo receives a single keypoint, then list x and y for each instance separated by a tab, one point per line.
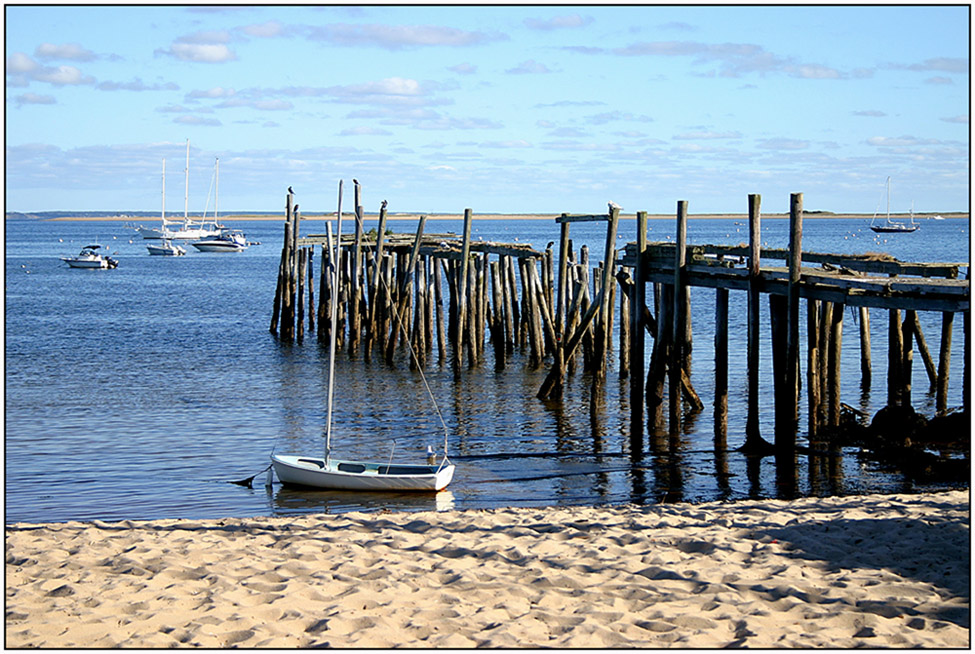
190	230
892	226
331	473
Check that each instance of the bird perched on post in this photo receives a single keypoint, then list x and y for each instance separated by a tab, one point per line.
384	204
613	205
355	181
296	209
291	191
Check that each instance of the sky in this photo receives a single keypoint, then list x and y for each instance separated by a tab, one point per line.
501	109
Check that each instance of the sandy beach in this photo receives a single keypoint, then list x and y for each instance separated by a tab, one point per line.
870	571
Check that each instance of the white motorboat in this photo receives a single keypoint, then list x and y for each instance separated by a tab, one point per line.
166	248
232	241
90	257
326	472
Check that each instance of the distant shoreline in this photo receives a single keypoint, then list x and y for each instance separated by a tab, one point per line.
442	216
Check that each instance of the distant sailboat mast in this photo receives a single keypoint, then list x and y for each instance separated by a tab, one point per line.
164	194
186	192
216	194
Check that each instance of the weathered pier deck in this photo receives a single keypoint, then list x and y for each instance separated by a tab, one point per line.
421	292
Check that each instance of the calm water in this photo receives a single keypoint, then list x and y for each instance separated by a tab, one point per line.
140	392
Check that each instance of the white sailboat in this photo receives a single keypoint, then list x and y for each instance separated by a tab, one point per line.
189	230
331	473
165	247
893	226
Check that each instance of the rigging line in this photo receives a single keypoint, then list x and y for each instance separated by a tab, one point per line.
409	344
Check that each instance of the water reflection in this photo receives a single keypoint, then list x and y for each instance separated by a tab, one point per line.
284	500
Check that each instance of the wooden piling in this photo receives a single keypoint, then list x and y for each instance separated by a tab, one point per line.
835	352
637	337
895	353
462	290
922	349
676	362
720	368
866	365
753	438
785	438
300	297
944	362
907	357
813	354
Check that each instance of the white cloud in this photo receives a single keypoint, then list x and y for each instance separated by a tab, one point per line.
397	91
530	67
269	29
558	22
214	93
207	53
71	51
21	70
364	131
34	98
464	69
196	120
396	37
136	85
783	144
706	135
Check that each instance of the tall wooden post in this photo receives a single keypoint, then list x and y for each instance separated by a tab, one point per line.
785	437
835	358
865	358
287	330
607	280
675	363
895	353
637	337
944	362
754	443
813	353
462	291
907	357
720	369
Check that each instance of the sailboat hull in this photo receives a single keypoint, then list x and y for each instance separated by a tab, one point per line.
360	476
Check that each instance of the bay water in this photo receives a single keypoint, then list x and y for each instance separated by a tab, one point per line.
142	392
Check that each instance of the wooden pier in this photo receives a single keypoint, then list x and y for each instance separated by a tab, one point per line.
389	280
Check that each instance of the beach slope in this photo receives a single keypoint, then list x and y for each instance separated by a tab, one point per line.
870	571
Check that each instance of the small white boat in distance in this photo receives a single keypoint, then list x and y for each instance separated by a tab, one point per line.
166	248
361	476
90	257
232	241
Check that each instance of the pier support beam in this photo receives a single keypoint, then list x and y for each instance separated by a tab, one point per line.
637	336
754	443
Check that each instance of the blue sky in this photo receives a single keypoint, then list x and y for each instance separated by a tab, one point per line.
501	109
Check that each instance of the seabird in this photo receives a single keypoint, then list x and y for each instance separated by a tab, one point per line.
296	208
291	190
550	244
384	204
355	181
613	205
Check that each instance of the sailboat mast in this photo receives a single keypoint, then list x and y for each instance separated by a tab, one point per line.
888	198
164	193
186	192
216	194
336	261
